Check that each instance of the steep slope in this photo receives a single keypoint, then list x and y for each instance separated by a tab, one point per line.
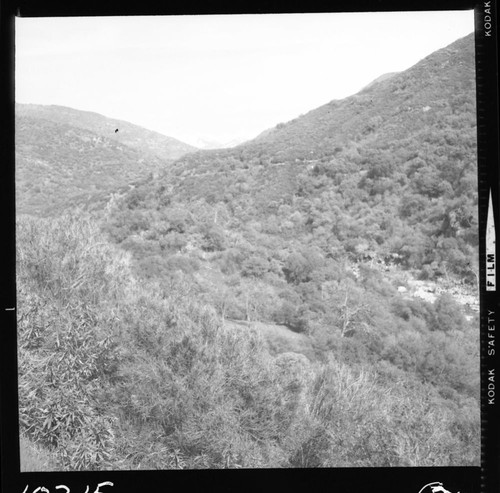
388	173
323	223
391	109
64	157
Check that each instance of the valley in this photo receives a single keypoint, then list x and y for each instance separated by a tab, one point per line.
304	299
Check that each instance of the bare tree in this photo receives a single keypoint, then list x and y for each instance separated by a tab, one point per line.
349	312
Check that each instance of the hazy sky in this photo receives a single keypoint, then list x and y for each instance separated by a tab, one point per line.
219	77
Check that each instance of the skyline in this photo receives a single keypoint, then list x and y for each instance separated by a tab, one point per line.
220	77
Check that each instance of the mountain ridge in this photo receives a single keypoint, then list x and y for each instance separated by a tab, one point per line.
390	90
133	135
403	148
66	157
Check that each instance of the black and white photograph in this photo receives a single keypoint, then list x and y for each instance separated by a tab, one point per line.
248	241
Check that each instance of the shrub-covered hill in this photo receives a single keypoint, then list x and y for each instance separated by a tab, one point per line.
389	173
321	226
180	354
435	92
276	228
65	156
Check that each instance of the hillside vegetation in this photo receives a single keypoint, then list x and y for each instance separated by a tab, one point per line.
251	307
119	374
315	225
389	173
66	157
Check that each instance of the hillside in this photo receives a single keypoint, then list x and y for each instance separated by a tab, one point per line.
142	139
262	306
388	174
126	375
66	156
438	86
324	223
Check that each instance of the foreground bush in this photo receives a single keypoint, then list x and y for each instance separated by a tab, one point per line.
68	282
209	394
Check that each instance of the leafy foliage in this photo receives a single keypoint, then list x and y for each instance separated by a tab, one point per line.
68	282
145	376
264	314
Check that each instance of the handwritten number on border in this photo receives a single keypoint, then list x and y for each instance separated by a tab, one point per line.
42	489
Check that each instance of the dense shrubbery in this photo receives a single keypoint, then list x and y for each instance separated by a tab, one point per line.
150	360
69	284
116	373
